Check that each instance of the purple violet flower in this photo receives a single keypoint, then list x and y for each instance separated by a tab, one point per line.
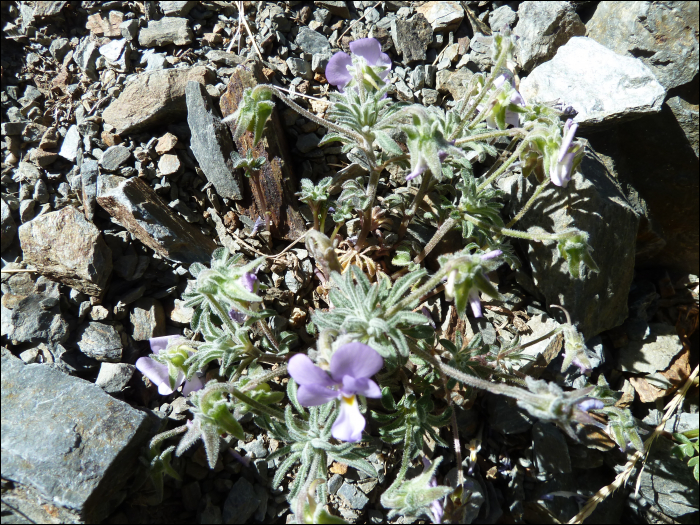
340	69
351	367
512	117
436	506
560	172
158	373
250	282
259	223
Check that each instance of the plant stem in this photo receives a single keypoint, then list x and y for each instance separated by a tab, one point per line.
491	135
504	167
371	196
405	460
417	201
264	378
223	314
519	234
442	231
422	290
528	204
253	403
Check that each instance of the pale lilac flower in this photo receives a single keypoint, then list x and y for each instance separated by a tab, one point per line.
420	169
259	223
340	68
250	282
436	506
473	293
512	117
351	367
158	373
560	171
590	404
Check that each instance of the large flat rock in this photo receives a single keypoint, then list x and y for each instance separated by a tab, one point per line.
67	441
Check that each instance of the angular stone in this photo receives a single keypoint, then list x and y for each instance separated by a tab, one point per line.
411	38
687	116
139	209
543	27
148	319
89	171
113	377
662	35
550	449
166	31
223	58
113	158
66	441
241	503
443	16
153	98
652	354
100	341
300	68
502	17
453	82
211	142
352	497
169	164
85	57
65	247
596	301
336	7
71	144
312	42
271	191
8	227
166	143
180	8
602	86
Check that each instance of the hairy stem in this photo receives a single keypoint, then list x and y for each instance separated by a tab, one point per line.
264	378
491	135
529	203
442	231
422	290
504	167
519	234
268	333
253	403
223	314
417	201
371	196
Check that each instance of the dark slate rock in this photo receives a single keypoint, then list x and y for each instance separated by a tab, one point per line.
67	440
550	448
139	209
166	31
542	28
334	483
241	502
412	37
65	247
353	497
596	301
114	157
662	35
85	56
506	417
100	341
687	116
36	316
180	8
89	171
312	42
336	7
307	142
211	142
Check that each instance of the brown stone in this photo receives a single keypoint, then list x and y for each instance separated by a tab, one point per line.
166	143
271	190
65	247
148	319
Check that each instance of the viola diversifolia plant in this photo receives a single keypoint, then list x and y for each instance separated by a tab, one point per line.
376	371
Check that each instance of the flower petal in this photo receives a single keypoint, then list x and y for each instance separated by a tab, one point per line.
314	395
368	48
158	374
355	360
192	385
161	343
305	372
337	72
570	129
363	386
350	423
475	303
250	282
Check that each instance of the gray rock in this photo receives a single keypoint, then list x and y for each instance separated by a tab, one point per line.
336	7
241	502
223	58
443	16
8	227
154	61
506	417
687	116
480	51
596	301
71	144
100	341
430	96
85	56
26	210
256	448
67	441
550	449
669	483
117	53
148	319
89	171
177	8
654	353
169	165
14	128
453	82
41	192
65	247
152	98
319	62
543	27
113	377
334	483
307	142
662	35
300	68
129	29
602	86
312	42
114	157
353	497
58	48
166	31
412	37
211	142
501	17
418	78
139	209
34	316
